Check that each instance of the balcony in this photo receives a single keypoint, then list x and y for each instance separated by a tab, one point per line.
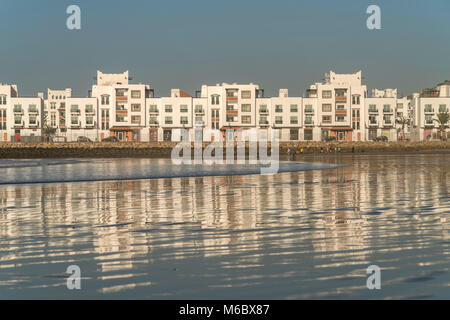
429	110
154	123
373	110
90	125
388	124
309	122
154	111
75	124
18	110
264	111
199	111
373	123
341	112
386	110
75	111
90	111
20	124
32	110
35	124
341	99
309	111
429	124
263	123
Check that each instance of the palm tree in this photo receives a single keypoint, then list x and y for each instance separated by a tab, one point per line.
403	121
442	119
48	130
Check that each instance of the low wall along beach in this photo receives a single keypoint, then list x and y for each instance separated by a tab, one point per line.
19	150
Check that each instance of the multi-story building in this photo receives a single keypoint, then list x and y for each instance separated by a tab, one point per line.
121	106
339	108
20	117
426	105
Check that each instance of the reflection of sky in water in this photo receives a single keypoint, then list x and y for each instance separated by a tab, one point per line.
54	170
308	234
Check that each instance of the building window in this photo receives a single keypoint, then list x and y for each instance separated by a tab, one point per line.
153	120
326	94
308	120
326	119
89	108
32	108
53	105
215	99
278	120
442	108
340	118
121	92
246	94
340	107
294	134
17	108
308	134
136	119
263	108
168	108
246	108
120	106
183	120
2	99
326	108
309	108
263	120
199	108
74	120
135	94
105	100
121	118
294	108
33	120
355	113
89	120
136	107
356	99
183	108
246	119
278	108
168	120
153	108
294	120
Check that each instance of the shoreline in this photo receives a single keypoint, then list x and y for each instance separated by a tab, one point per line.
24	150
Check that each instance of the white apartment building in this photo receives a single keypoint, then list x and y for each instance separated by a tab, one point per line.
425	107
21	118
338	108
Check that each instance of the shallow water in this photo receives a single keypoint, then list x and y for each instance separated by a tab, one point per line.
294	235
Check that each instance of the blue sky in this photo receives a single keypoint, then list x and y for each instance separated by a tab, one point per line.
184	44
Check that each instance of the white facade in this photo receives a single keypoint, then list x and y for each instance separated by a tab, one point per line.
338	108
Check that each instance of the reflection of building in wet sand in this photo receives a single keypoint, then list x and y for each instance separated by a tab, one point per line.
125	221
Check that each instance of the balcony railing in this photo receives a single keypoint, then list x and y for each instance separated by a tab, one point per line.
429	110
373	110
309	110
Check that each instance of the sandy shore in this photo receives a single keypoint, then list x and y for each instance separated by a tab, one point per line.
18	150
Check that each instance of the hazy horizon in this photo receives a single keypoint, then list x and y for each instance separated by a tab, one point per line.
283	44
